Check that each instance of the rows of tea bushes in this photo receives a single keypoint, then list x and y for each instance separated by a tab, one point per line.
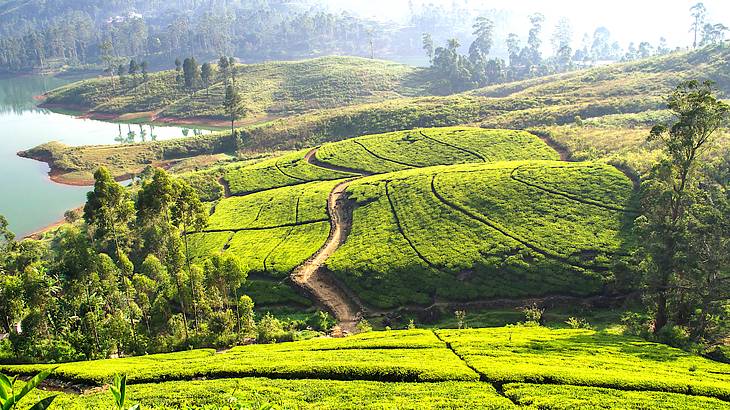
514	239
286	170
588	358
419	148
417	356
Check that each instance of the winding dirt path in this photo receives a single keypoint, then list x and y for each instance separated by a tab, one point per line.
313	277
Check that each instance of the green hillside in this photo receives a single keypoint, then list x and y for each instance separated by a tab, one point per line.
525	228
267	90
506	368
600	113
470	232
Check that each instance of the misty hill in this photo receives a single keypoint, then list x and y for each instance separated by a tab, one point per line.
267	90
611	102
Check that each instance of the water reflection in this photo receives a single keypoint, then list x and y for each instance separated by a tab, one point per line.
17	94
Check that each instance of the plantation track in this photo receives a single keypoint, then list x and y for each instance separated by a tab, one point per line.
312	276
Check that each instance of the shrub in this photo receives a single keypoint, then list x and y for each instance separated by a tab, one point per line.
363	326
533	314
577	323
269	329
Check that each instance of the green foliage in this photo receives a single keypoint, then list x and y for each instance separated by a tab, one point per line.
433	146
578	397
302	394
9	398
385	356
586	357
119	391
290	169
264	89
401	246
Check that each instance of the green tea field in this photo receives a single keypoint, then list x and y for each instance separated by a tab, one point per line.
511	367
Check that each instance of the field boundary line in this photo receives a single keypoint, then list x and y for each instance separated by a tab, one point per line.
311	158
474	153
402	232
483	219
256	228
378	156
568	195
288	233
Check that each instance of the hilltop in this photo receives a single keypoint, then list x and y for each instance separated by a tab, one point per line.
268	90
601	113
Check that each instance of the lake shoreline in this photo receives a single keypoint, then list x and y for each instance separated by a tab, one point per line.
146	117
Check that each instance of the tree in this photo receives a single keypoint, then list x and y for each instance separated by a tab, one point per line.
188	215
662	48
428	46
671	190
482	44
108	212
232	103
533	38
645	49
560	41
223	68
206	75
178	72
698	20
191	72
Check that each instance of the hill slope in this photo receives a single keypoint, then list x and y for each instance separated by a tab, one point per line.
615	105
267	90
509	222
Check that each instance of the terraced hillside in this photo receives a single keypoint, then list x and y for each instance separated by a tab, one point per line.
267	90
420	217
506	368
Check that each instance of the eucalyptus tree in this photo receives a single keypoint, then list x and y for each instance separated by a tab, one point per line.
671	191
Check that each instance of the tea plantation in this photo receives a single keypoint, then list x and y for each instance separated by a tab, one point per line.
473	368
453	213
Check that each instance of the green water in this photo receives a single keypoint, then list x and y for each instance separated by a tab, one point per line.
28	198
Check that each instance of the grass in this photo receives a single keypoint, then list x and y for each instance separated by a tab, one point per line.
271	89
588	358
515	240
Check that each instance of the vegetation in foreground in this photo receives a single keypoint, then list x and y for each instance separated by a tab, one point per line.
499	355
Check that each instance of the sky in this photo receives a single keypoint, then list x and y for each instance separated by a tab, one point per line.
628	20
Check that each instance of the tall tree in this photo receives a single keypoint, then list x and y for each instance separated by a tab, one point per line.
206	75
232	103
189	215
482	44
427	42
697	12
671	189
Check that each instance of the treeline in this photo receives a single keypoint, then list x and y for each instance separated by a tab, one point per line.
61	32
459	72
120	280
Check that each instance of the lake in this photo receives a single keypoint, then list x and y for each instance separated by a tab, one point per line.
28	198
